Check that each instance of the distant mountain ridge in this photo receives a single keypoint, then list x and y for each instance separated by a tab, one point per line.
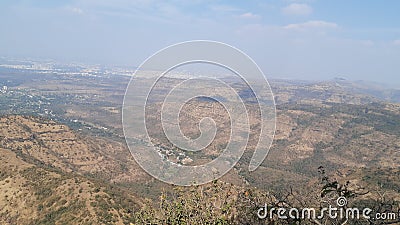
360	91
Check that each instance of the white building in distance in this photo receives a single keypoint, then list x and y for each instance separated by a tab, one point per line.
4	89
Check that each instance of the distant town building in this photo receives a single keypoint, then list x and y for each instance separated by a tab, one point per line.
4	89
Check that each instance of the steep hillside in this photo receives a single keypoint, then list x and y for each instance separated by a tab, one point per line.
42	176
32	194
55	145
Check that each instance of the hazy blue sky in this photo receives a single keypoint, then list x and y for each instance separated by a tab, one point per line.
309	39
